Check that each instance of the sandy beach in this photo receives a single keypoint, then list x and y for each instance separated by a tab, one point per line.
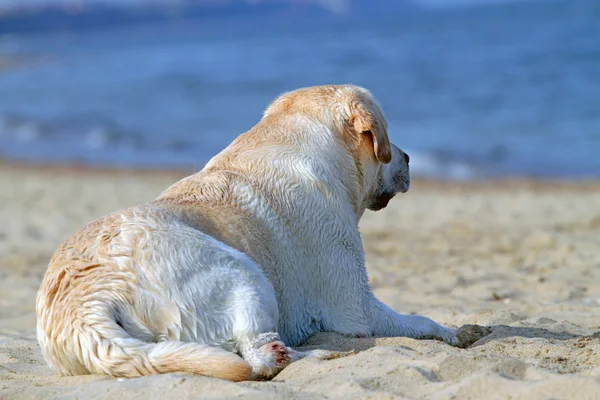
522	257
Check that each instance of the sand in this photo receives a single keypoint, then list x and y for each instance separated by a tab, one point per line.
522	257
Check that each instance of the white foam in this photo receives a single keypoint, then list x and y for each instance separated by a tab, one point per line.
429	165
27	132
97	138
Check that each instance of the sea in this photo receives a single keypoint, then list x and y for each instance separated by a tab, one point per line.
470	92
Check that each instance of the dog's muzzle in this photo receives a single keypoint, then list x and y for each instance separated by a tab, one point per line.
404	186
381	201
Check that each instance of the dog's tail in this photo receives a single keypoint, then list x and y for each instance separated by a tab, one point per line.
96	343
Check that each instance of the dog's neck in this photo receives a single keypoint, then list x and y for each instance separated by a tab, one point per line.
323	169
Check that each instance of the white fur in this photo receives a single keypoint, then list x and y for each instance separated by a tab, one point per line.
173	291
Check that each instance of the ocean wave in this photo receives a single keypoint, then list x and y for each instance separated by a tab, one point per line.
433	165
97	143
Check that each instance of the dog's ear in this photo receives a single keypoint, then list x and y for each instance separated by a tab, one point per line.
369	121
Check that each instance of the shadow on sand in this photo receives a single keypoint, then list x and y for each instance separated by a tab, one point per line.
337	342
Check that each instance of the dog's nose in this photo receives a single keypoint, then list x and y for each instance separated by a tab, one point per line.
407	158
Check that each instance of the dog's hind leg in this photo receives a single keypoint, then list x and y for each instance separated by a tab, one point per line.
255	329
235	303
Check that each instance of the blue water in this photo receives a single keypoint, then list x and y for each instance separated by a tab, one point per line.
504	90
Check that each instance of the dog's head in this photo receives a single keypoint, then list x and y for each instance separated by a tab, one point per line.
352	114
384	165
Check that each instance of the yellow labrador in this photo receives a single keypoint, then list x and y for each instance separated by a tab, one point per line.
230	266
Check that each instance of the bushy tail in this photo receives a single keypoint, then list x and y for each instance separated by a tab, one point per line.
165	357
105	347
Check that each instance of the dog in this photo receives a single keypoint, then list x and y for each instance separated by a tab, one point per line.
231	267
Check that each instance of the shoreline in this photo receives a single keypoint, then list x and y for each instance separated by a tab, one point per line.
500	183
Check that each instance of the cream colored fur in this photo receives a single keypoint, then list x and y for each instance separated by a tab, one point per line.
231	265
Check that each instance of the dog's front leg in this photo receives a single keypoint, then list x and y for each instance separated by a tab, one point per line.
386	322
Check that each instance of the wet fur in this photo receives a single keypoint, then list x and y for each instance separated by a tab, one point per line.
229	266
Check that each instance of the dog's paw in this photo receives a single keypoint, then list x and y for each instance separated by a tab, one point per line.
269	359
466	335
278	353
